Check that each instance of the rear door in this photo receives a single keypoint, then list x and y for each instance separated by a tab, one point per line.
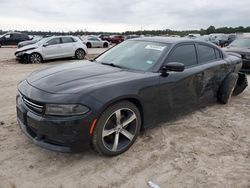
214	69
68	46
180	91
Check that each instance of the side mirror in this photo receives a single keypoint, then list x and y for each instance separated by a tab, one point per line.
45	44
174	66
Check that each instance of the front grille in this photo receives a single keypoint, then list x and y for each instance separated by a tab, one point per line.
34	106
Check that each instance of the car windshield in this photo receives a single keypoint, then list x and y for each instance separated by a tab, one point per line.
242	43
136	55
43	40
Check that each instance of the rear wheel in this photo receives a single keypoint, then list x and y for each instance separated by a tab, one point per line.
88	45
105	45
117	129
80	54
241	84
35	58
227	88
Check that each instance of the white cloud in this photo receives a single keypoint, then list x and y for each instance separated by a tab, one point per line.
114	15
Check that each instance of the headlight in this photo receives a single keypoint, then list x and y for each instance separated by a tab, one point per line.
65	109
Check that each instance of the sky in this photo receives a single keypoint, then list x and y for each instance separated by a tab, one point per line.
121	15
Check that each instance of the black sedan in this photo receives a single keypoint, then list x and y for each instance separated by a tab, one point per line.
242	47
13	38
135	85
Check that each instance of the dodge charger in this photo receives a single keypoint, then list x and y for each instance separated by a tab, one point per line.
106	102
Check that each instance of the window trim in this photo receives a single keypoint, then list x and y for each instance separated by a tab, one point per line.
183	44
207	45
67	42
60	39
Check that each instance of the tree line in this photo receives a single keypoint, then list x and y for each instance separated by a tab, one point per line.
209	30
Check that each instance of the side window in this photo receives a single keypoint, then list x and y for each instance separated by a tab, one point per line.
54	41
218	54
7	36
185	54
16	36
206	53
67	40
93	39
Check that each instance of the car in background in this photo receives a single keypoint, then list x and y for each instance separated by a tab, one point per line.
28	42
131	37
218	39
116	39
242	47
94	42
140	83
193	36
13	38
52	48
105	37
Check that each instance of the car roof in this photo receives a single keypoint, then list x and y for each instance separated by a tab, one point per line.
169	40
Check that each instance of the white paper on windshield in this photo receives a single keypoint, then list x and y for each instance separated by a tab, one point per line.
155	47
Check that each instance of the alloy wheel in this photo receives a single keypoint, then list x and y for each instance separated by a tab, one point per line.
35	58
80	54
119	129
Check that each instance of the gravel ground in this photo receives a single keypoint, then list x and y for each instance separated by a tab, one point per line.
207	148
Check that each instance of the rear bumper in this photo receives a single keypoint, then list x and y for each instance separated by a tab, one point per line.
62	134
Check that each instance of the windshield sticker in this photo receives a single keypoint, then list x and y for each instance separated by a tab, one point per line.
149	62
154	47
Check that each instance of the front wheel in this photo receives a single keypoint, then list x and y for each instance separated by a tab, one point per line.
35	58
80	54
117	129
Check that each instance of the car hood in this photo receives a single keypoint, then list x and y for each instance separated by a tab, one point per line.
27	47
78	76
237	50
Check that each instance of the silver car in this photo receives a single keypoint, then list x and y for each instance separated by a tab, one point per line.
95	42
52	48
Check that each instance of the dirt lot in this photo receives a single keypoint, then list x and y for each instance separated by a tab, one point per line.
207	148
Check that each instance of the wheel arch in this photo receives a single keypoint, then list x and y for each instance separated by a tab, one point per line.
36	53
80	49
134	100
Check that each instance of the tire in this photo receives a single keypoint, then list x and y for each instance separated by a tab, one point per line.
241	84
227	88
35	58
88	45
0	45
105	45
117	129
80	54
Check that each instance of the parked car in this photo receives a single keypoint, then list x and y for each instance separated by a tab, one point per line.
132	37
133	86
13	38
242	47
116	39
28	42
52	48
93	42
105	37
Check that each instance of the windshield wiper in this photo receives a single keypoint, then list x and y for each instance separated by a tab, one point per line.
112	65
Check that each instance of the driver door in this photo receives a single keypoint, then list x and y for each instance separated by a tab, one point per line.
53	48
180	91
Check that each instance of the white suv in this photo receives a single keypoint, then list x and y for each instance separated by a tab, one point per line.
52	48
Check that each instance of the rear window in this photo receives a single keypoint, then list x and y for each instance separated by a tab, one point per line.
206	53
